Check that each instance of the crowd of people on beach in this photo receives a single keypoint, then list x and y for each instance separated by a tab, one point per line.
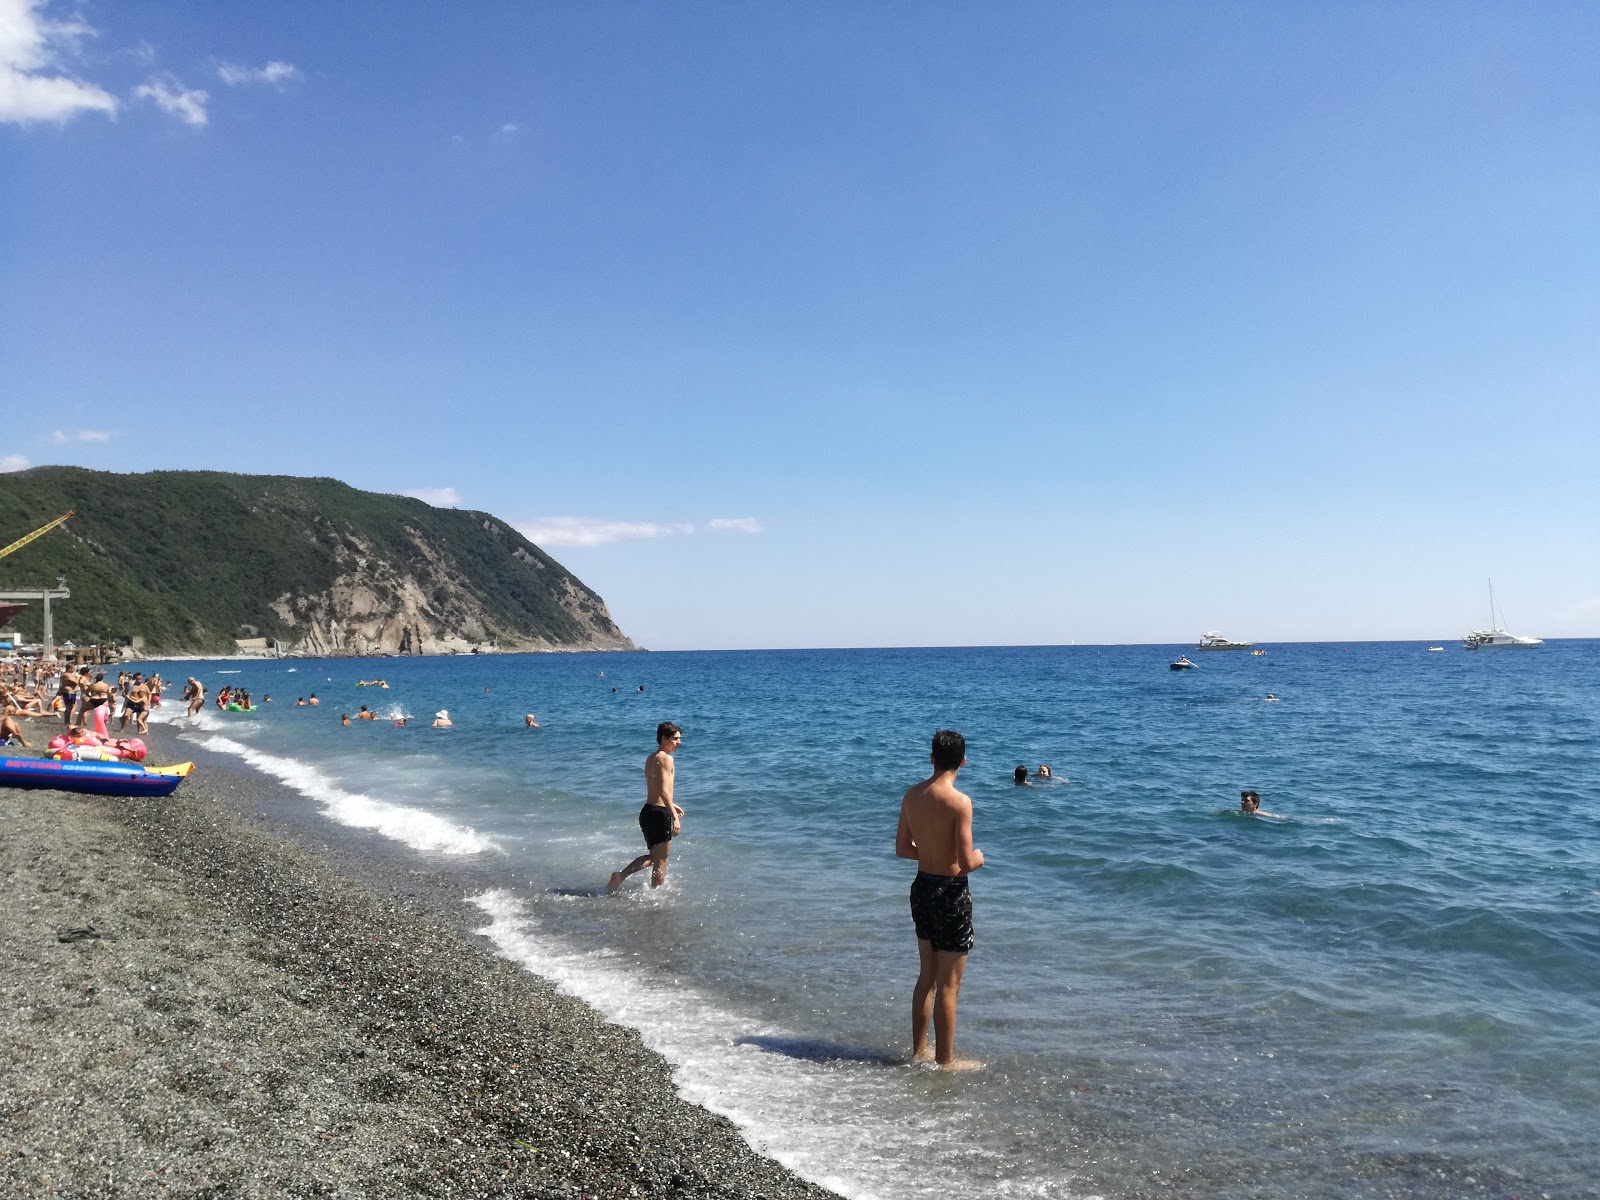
76	695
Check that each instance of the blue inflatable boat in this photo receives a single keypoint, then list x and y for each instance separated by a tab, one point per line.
100	778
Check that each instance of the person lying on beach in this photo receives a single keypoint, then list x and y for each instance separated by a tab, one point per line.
11	731
936	830
1250	805
660	820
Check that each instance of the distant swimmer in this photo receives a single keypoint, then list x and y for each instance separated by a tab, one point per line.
300	703
344	718
366	714
529	722
641	687
1271	699
1020	776
660	820
1250	805
936	830
312	699
441	719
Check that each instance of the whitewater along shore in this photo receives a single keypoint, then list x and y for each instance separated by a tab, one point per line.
258	1018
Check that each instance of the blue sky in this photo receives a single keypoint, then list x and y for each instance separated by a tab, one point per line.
849	324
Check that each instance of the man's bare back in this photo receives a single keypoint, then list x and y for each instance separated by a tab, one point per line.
936	827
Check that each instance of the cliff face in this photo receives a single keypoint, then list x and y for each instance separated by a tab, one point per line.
191	560
375	606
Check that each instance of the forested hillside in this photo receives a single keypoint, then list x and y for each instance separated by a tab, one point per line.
191	560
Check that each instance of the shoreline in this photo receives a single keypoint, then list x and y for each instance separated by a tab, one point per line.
274	1009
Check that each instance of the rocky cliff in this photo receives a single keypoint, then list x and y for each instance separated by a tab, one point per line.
190	560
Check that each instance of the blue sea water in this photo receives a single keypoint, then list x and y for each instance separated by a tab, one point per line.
1393	989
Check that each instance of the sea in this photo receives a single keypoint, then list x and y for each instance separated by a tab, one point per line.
1389	989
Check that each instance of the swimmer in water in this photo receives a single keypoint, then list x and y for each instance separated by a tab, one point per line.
529	723
1044	771
441	719
1020	776
344	718
1271	699
1250	805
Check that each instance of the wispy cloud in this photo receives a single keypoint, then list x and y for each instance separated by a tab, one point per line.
274	73
32	85
442	497
507	131
172	98
735	524
12	462
592	531
65	437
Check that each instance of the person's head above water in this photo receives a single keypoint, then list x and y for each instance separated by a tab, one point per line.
1249	802
1044	771
1020	775
668	732
949	750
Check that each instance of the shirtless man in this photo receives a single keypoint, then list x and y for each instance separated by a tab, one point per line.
195	692
936	830
67	693
138	704
660	820
1250	806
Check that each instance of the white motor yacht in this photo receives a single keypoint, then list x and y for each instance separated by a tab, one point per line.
1495	635
1215	641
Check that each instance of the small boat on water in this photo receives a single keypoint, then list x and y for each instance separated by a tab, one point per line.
1435	649
1496	636
1215	641
96	778
1183	664
1258	653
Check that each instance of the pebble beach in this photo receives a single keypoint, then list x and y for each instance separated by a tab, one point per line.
195	1003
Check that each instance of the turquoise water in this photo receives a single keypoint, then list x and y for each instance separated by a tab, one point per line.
1390	991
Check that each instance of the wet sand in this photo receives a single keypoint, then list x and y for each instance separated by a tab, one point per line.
264	1015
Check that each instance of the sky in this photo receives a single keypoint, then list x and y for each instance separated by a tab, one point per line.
849	324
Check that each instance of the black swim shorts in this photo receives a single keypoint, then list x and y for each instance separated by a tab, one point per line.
941	907
655	822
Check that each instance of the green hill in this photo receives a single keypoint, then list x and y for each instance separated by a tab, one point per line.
190	560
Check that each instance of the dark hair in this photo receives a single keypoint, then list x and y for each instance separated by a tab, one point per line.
1020	774
949	749
666	730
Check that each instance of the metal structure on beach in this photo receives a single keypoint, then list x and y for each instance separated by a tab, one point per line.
47	644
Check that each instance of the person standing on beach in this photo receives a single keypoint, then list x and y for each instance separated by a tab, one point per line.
137	705
936	830
660	820
67	693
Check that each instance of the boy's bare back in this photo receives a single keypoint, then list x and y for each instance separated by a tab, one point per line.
936	828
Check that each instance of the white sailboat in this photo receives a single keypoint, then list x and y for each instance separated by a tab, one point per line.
1495	635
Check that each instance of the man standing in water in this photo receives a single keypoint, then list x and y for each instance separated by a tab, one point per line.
660	818
936	830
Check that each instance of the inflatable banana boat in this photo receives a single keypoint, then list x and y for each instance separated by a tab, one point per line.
98	778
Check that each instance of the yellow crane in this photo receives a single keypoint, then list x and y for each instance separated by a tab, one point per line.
39	532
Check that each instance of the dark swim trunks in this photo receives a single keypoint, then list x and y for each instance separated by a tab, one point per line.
656	824
941	907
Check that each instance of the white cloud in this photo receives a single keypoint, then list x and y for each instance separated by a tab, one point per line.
62	437
445	497
12	462
592	531
508	130
735	524
171	97
275	73
30	47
